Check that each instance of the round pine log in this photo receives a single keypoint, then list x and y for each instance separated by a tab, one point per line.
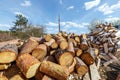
64	58
28	65
54	70
8	53
81	67
29	46
87	58
40	51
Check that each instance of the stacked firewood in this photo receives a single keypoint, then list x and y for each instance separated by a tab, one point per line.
60	56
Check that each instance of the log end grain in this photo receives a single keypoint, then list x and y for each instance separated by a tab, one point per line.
66	59
7	57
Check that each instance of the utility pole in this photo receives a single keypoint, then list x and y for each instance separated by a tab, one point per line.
58	23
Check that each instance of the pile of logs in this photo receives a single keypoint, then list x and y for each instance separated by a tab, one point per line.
61	56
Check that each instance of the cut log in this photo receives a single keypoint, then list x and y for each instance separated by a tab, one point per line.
81	67
72	66
77	39
105	47
87	58
78	52
17	77
39	75
14	69
48	37
84	45
50	58
38	39
15	41
40	51
54	45
45	77
28	65
63	45
50	42
29	46
4	66
54	70
64	58
94	74
73	41
71	48
8	53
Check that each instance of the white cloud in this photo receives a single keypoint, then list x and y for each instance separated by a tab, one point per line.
52	24
91	4
107	9
61	2
26	3
5	25
111	19
70	7
19	13
67	26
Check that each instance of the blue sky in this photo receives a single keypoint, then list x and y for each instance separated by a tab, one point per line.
75	14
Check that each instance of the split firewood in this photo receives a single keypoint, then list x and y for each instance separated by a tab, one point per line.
94	74
81	67
64	58
73	41
40	51
86	76
28	65
2	77
8	53
72	66
105	47
74	76
54	70
4	66
29	46
87	58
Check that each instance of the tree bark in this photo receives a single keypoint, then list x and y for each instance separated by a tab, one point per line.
8	53
28	65
54	70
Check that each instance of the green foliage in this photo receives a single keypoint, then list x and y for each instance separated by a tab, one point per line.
20	23
23	30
